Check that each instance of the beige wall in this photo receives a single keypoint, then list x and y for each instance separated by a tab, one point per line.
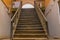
53	19
5	22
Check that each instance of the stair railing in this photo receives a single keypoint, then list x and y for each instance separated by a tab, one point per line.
41	17
14	20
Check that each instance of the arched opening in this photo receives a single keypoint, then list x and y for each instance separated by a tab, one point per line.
27	6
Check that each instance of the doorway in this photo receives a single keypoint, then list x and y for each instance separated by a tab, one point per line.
27	6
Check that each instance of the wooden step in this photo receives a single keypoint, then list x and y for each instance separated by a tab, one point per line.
30	38
30	32
29	28
27	13
29	25
28	19
27	22
37	32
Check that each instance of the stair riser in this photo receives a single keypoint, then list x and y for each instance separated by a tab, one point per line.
29	26
26	28
30	32
30	36
26	22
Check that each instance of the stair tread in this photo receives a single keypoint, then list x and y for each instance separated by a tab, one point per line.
28	19
31	30
29	38
30	34
26	14
29	27
31	22
22	25
27	22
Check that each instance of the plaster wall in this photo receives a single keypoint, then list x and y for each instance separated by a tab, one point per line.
53	19
5	22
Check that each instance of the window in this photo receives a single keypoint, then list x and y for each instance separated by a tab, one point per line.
27	6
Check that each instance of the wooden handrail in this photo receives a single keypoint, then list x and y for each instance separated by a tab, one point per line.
40	11
5	4
15	18
14	15
41	17
16	12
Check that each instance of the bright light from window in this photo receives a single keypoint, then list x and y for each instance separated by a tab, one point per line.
27	6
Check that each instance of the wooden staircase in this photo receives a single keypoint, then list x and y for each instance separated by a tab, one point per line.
29	26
